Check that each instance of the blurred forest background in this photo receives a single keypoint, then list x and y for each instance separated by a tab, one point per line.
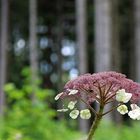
45	43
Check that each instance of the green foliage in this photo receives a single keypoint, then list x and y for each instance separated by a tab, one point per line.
110	131
28	119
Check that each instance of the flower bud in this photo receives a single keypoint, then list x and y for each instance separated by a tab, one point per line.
74	114
85	114
122	109
71	104
122	96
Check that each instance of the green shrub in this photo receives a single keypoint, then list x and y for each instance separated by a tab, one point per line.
27	119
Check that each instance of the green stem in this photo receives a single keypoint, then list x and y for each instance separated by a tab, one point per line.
95	123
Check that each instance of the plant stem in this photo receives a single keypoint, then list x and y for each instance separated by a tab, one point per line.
93	111
95	123
111	109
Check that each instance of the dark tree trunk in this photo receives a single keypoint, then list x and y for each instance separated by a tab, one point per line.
115	49
3	51
137	37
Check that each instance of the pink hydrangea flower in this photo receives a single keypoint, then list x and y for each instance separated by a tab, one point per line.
104	88
101	86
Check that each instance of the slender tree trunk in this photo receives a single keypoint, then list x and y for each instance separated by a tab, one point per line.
3	51
59	39
137	37
81	44
115	49
33	44
103	37
115	42
58	45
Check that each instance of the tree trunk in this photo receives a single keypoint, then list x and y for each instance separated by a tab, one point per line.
115	42
59	39
58	42
33	45
115	49
3	51
137	37
81	44
103	37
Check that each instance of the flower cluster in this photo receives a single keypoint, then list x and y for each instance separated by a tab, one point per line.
103	87
123	97
84	114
